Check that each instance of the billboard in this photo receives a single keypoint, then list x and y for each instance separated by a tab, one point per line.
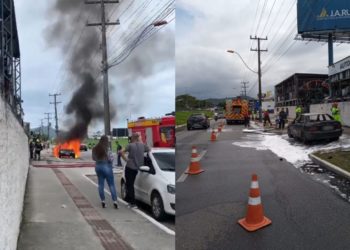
323	16
120	132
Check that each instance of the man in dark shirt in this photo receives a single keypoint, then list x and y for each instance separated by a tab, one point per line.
282	119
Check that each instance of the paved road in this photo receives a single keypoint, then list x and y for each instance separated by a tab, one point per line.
305	213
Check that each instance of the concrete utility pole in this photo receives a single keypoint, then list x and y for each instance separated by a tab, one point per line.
42	127
259	70
244	88
103	24
48	124
56	118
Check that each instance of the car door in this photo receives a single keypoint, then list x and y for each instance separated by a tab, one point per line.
297	127
144	180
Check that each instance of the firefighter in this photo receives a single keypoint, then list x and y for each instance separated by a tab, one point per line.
246	119
37	149
297	111
267	118
336	112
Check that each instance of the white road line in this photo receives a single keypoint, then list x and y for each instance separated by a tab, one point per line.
183	177
149	218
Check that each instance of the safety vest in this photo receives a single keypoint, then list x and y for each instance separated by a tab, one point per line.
336	114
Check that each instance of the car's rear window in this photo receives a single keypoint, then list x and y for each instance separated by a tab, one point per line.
165	160
318	118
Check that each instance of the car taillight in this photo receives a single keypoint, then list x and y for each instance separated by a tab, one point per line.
337	126
313	129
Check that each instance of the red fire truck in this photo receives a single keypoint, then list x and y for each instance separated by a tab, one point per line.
159	132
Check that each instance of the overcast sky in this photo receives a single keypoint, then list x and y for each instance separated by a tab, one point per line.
206	29
151	93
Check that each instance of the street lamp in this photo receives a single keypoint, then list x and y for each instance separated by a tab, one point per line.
235	52
260	98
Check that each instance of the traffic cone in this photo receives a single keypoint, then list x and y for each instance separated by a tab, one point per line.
255	218
219	128
213	136
195	167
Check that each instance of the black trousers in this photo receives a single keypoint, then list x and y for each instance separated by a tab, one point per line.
281	125
130	176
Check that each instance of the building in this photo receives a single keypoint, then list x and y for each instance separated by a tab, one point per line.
10	62
339	80
301	89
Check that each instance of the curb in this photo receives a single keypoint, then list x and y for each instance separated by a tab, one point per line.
329	166
180	127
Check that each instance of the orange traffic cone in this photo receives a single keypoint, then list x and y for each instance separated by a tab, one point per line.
255	218
195	167
219	128
213	136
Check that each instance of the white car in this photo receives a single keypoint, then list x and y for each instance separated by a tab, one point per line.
155	182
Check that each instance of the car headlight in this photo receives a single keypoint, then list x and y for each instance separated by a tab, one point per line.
171	189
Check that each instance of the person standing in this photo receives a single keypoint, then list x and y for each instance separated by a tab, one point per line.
135	159
103	157
297	111
246	119
267	118
119	148
282	119
336	112
37	149
31	149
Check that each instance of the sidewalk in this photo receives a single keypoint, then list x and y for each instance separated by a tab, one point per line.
62	211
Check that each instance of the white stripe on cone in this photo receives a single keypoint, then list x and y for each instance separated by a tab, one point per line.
195	159
254	201
254	184
194	151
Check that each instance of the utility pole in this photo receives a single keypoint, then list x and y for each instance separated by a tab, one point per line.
42	127
48	125
103	24
244	88
56	118
259	70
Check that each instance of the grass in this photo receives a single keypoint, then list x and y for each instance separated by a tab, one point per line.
182	116
122	141
339	158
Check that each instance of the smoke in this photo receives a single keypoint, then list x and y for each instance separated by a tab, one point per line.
128	81
67	19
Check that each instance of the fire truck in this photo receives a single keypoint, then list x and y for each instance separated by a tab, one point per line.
235	110
158	132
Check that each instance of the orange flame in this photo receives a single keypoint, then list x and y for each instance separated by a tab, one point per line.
72	144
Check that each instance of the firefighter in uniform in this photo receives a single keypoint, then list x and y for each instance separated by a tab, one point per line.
336	112
297	111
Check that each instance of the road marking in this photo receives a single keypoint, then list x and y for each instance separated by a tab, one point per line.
136	210
183	177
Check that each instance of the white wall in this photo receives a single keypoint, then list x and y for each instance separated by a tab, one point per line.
14	164
326	108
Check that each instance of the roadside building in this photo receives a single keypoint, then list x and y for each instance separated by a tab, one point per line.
339	80
301	89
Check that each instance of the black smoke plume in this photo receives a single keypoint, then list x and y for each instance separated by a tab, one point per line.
80	47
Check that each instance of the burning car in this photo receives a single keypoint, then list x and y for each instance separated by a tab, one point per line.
69	149
66	153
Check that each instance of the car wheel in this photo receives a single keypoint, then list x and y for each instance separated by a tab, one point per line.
290	134
123	190
157	206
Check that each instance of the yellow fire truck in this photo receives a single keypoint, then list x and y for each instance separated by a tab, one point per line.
235	110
